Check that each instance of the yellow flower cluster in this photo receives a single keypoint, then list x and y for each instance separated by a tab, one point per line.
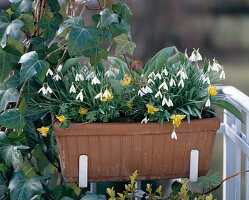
151	109
43	130
177	119
108	97
212	90
126	81
82	110
130	105
61	118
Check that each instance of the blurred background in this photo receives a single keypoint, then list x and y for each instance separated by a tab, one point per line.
219	29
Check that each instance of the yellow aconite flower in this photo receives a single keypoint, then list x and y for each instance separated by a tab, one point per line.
151	109
212	90
108	97
130	105
177	119
82	110
61	118
126	81
43	130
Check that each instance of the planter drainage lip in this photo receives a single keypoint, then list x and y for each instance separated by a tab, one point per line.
136	128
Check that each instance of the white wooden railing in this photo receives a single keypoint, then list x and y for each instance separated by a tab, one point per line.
235	142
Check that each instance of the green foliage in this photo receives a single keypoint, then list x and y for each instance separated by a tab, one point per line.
107	18
7	95
211	181
124	45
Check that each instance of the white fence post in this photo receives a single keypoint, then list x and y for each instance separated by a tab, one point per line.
247	159
228	160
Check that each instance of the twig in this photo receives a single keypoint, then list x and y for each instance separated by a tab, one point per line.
20	93
53	52
32	165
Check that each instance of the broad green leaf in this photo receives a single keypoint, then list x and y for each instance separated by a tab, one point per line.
14	47
53	59
61	191
28	21
14	80
98	55
9	28
21	6
22	188
119	28
83	39
116	85
12	119
54	5
75	21
32	66
122	9
50	24
124	45
70	62
8	152
7	95
6	62
229	107
38	43
2	182
107	17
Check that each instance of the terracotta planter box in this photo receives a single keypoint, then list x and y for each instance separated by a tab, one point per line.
116	150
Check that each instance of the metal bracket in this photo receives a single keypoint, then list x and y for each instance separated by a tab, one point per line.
83	165
194	160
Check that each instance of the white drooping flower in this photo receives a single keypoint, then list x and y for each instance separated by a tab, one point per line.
57	77
95	80
151	75
107	94
147	89
72	89
49	72
206	80
109	73
173	135
164	86
210	67
79	77
164	101
43	90
99	95
89	76
181	83
222	75
165	72
172	82
158	94
158	76
80	96
195	56
216	66
145	120
49	89
169	103
182	74
59	68
151	81
141	92
208	103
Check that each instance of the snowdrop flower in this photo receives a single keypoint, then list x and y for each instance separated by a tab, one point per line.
164	101
145	120
80	96
49	72
182	74
59	68
186	54
151	75
216	66
158	94
173	135
222	75
195	56
210	68
169	103
208	103
151	81
158	76
165	72
181	83
109	73
164	85
107	94
57	77
43	90
206	80
79	77
141	92
99	95
172	82
72	89
95	80
49	89
147	89
91	75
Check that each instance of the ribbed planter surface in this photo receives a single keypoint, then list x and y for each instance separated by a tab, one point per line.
116	150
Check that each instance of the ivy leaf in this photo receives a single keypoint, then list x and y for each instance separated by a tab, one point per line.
122	9
50	24
28	21
118	29
7	96
12	119
75	21
97	56
8	152
21	6
6	61
107	17
38	43
80	36
22	188
14	47
32	66
124	45
2	181
9	28
54	5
